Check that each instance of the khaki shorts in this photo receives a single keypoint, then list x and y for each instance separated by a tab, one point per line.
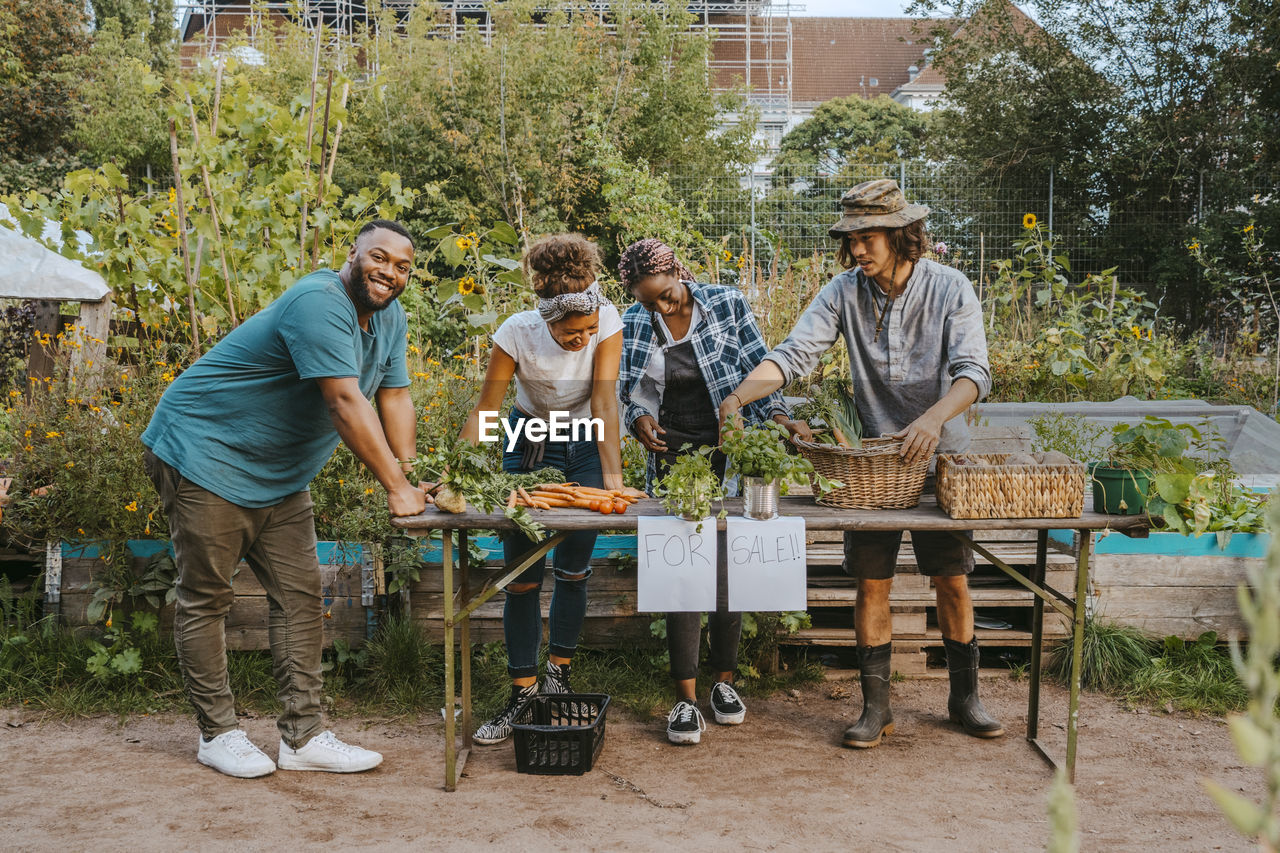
873	554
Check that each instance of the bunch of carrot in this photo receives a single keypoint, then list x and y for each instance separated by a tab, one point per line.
552	495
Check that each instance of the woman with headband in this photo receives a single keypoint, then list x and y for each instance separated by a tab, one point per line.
563	357
686	346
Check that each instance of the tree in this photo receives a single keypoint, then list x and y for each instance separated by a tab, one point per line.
854	130
535	125
39	38
152	19
121	105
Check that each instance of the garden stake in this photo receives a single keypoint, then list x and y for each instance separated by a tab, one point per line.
306	170
337	134
182	233
213	211
324	143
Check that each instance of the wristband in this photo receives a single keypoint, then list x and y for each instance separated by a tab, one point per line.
735	394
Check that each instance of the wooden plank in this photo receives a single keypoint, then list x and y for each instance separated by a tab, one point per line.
1132	570
925	516
1184	611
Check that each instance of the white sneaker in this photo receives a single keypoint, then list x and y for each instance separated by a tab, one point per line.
234	754
326	752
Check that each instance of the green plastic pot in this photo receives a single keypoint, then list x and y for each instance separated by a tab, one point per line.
1119	491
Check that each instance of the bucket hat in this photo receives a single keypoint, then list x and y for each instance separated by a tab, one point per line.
875	204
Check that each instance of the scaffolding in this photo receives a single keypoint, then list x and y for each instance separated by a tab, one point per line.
753	41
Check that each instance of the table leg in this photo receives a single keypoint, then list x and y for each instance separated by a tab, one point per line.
464	641
450	724
1037	636
1077	651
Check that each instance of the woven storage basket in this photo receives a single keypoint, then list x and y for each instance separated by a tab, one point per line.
992	489
874	476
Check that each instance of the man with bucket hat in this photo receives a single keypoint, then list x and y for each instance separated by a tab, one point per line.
918	360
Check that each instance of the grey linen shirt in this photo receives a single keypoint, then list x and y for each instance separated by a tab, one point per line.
932	336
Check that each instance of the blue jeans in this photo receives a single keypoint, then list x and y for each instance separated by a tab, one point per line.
522	612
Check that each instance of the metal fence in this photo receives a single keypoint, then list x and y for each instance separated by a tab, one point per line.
978	219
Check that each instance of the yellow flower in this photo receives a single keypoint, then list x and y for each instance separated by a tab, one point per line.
69	465
108	621
726	255
471	235
413	349
167	376
1248	228
15	393
132	506
368	491
1137	331
463	243
52	434
466	285
1029	220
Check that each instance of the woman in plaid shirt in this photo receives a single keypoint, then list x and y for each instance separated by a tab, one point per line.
685	347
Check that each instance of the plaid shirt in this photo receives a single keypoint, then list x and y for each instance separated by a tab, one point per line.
727	343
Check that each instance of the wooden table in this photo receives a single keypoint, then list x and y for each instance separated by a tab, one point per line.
926	516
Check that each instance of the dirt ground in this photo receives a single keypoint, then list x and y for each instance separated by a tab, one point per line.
779	782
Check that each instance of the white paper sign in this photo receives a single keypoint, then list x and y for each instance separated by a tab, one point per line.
766	564
676	564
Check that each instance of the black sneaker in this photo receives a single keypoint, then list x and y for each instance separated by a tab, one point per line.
685	723
727	704
499	728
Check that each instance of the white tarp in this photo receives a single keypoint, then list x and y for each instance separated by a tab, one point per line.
30	271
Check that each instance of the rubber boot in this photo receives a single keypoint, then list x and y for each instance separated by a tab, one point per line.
876	720
963	706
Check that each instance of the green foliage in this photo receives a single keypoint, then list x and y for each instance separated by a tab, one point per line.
149	21
1256	733
1064	822
115	655
38	38
1070	434
1250	276
244	188
690	484
852	129
763	451
120	105
483	284
1189	676
1053	340
464	470
548	127
400	667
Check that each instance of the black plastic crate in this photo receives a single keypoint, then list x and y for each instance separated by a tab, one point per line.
560	734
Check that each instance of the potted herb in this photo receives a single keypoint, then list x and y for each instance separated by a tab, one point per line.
689	485
760	455
1151	451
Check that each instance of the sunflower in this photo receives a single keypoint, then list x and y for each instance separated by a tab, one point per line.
466	285
1028	220
463	243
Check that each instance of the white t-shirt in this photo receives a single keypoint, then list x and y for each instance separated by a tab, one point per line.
548	376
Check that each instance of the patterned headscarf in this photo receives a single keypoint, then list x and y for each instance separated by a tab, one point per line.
582	302
647	257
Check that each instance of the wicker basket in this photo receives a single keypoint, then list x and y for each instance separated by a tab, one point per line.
992	489
874	476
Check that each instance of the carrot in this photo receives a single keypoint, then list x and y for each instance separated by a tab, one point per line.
523	494
511	499
591	490
537	504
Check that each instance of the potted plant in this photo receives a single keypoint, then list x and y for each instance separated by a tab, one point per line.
760	455
1138	455
689	485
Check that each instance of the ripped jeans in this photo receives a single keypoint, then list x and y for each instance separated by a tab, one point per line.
570	562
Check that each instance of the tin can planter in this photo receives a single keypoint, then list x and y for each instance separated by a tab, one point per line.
760	498
1119	491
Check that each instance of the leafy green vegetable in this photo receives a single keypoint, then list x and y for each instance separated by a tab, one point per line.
690	484
831	403
762	451
466	470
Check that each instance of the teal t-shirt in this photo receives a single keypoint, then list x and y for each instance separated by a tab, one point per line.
247	421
